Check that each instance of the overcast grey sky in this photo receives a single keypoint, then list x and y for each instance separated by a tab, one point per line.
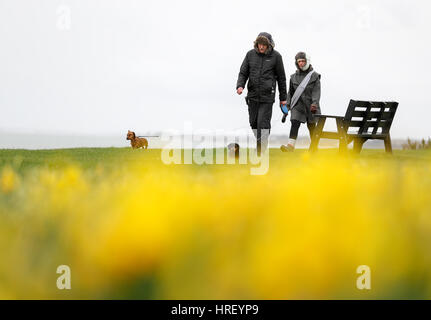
106	66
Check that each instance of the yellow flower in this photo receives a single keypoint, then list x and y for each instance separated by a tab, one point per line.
9	180
142	229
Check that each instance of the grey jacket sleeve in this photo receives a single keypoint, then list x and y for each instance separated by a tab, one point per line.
315	94
290	93
243	73
281	78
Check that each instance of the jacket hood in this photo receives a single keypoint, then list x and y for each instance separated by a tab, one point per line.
303	55
266	39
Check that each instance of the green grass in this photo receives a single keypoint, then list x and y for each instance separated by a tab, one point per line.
88	158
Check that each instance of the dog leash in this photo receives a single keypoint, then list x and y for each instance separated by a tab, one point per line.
278	123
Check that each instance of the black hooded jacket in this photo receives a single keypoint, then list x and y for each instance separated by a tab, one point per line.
262	72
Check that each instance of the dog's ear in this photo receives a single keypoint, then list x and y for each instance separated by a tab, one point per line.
134	135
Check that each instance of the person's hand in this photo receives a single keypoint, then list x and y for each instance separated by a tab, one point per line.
313	108
239	90
285	113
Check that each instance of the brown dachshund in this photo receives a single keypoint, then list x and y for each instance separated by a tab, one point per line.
135	141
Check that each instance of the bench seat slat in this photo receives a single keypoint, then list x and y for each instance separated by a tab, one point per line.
386	115
367	135
368	124
335	135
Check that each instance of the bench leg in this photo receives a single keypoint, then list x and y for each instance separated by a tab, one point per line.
342	136
388	144
357	145
317	131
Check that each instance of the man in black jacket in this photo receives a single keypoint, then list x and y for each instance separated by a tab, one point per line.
262	67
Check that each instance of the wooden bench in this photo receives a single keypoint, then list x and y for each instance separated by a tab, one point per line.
363	120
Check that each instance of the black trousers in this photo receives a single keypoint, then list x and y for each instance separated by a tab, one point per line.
294	129
260	114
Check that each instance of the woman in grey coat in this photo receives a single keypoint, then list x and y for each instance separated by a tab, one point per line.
308	103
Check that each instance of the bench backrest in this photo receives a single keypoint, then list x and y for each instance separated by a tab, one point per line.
370	117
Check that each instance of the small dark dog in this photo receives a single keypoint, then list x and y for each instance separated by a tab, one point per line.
136	142
233	150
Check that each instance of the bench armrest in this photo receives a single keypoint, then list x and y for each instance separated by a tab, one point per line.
327	116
